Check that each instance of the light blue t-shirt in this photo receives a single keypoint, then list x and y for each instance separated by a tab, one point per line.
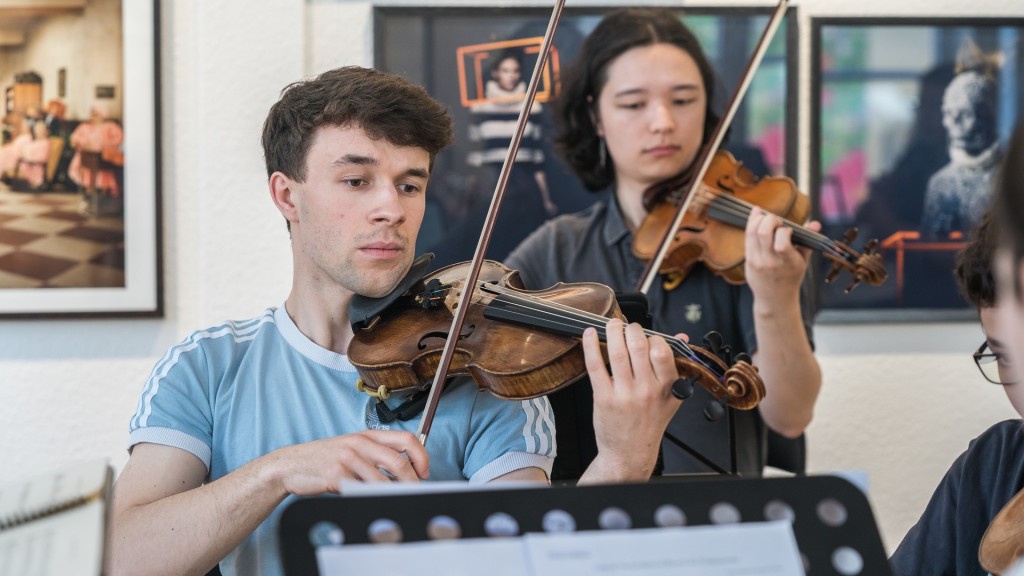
237	391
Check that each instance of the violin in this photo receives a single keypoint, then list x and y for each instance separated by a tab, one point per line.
1002	546
515	343
712	229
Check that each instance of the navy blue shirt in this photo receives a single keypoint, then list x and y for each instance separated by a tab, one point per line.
981	481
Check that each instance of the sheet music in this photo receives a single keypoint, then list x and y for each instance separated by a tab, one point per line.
356	488
470	557
764	548
67	543
36	496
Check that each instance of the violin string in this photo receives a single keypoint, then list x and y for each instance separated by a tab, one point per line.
577	319
580	318
740	210
738	207
585	319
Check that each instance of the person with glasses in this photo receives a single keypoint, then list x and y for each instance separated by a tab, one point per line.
990	472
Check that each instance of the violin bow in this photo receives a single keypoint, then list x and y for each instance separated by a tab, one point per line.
708	151
465	298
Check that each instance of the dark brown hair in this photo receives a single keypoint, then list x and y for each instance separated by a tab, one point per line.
1009	202
973	269
383	105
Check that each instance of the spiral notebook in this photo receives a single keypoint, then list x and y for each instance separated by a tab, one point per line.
55	523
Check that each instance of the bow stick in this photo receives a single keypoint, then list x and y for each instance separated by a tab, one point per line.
465	298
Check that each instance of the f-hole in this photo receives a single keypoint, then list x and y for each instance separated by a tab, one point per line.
467	331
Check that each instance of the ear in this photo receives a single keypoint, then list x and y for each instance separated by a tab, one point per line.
282	192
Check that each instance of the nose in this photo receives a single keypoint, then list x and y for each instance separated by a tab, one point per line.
662	119
387	207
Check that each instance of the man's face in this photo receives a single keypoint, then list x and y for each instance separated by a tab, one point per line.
358	212
1007	321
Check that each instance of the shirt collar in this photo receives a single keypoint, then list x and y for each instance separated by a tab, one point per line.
615	228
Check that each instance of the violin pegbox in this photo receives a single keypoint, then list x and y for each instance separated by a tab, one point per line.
865	266
714	342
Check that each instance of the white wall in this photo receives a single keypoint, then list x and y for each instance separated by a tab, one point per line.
900	401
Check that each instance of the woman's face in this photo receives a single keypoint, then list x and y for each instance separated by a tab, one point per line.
507	74
651	113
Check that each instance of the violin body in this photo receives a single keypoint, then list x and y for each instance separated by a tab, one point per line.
701	238
1002	546
515	343
402	350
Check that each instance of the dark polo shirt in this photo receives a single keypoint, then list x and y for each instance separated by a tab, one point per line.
595	246
977	486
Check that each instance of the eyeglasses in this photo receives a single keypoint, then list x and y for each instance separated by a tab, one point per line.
988	363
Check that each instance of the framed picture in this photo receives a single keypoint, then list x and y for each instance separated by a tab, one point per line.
460	55
909	119
80	162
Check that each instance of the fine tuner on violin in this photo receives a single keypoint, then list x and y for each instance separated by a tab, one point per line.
712	230
516	343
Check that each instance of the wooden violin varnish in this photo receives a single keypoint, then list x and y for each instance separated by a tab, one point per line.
1002	546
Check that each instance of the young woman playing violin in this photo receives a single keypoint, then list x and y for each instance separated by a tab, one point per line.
634	110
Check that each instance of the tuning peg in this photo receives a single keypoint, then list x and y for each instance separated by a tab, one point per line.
871	246
725	353
714	411
833	271
853	284
850	235
713	341
744	357
683	388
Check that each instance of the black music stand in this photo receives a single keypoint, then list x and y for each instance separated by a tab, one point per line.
834	527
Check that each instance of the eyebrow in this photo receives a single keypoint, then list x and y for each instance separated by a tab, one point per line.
631	91
357	160
994	344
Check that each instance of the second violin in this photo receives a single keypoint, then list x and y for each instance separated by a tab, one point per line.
712	230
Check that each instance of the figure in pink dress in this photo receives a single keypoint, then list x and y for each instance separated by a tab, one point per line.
34	156
94	137
11	151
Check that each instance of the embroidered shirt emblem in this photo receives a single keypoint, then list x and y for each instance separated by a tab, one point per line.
693	313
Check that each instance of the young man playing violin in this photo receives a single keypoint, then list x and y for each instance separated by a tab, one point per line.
633	112
239	418
990	472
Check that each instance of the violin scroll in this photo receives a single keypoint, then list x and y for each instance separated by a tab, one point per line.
736	384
